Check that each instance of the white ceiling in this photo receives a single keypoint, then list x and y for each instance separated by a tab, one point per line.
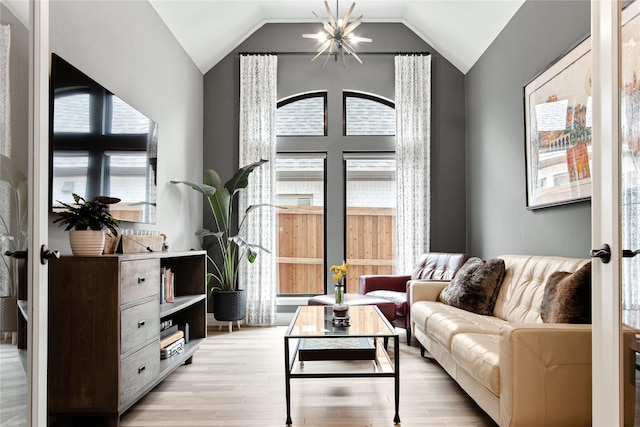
460	30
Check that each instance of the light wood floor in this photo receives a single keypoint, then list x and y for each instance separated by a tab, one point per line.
237	380
13	386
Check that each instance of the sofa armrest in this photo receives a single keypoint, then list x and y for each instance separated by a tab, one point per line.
424	290
390	282
545	374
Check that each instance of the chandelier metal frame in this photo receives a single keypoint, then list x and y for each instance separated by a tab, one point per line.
337	36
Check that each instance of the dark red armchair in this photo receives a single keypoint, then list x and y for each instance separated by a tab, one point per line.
431	266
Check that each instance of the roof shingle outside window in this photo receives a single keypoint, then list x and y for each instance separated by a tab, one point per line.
303	117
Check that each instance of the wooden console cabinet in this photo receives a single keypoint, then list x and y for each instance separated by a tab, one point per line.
104	330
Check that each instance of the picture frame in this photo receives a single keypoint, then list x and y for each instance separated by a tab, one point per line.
557	108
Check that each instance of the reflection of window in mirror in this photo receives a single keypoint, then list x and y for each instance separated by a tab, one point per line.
71	113
69	174
125	175
125	119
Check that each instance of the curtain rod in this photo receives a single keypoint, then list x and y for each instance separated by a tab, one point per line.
334	53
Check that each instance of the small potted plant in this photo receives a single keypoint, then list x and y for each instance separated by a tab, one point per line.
85	221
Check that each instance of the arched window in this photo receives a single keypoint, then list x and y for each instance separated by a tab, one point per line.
337	189
302	115
366	114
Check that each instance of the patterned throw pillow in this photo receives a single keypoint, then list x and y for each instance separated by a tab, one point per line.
567	297
475	286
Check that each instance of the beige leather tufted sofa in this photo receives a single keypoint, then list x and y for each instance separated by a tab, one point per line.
519	370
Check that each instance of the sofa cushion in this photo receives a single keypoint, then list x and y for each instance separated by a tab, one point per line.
520	296
398	298
567	297
475	286
479	355
443	322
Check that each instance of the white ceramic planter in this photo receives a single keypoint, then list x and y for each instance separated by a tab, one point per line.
86	242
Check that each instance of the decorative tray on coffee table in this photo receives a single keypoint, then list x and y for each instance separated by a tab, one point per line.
340	321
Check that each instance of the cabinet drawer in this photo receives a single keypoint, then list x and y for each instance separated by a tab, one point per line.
139	279
138	370
138	325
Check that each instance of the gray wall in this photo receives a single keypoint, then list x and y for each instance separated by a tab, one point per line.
498	221
127	48
298	74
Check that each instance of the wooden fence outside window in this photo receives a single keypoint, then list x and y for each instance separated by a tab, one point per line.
370	237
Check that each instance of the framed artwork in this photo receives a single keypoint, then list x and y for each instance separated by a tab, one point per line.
557	106
630	109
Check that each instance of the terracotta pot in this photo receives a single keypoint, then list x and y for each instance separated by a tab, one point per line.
86	242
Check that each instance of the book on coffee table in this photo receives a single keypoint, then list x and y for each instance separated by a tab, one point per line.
343	348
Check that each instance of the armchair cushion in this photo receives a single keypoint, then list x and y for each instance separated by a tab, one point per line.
398	298
475	286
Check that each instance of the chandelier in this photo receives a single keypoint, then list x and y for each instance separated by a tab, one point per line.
337	36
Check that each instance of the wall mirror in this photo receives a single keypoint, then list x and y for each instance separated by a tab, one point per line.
100	145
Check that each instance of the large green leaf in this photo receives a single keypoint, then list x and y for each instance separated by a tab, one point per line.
205	189
249	247
18	183
221	208
9	173
212	178
22	192
241	178
204	232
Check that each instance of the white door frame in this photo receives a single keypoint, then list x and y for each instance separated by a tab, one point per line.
607	386
38	212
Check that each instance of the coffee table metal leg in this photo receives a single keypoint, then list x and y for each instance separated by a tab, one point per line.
396	356
287	384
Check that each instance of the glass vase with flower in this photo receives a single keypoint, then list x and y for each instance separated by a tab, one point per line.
339	274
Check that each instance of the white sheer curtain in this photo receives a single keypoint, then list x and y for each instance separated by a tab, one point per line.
258	99
413	158
5	109
6	225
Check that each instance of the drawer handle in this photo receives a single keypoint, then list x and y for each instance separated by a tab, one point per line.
141	369
142	279
141	323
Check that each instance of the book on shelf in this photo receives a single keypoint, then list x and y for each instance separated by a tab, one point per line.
166	324
168	340
172	349
167	285
168	331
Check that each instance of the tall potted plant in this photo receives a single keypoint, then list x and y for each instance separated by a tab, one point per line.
230	248
86	220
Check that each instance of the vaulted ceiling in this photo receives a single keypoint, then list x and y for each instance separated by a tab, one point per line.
460	30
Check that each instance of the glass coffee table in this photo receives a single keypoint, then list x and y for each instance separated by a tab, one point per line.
315	336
